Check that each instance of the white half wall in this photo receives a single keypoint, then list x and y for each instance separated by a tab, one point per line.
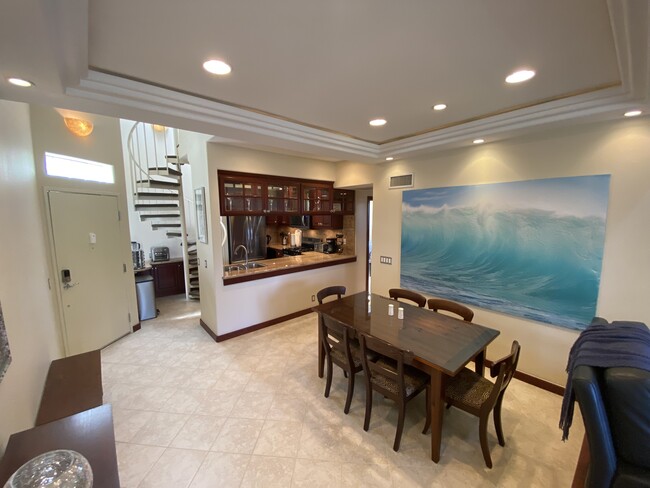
27	302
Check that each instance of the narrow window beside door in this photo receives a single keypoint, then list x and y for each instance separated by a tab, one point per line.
78	169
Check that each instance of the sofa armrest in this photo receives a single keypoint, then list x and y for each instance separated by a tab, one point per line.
602	466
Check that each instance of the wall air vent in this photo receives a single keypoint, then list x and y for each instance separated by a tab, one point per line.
401	181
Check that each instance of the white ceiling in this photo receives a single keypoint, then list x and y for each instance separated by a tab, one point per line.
308	75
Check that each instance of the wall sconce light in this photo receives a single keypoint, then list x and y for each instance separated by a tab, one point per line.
78	127
159	128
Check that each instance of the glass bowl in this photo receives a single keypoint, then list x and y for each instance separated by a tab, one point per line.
54	469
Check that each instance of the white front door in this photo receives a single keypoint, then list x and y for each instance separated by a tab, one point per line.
90	270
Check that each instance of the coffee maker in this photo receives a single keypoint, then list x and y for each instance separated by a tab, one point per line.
330	246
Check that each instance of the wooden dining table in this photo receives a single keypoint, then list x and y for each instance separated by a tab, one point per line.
440	345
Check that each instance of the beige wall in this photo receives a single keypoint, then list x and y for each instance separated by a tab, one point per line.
24	294
246	304
620	148
104	145
196	147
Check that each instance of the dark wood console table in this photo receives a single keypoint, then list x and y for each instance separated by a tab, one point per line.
73	384
90	433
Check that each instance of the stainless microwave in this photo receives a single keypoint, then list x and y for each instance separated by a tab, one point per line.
300	221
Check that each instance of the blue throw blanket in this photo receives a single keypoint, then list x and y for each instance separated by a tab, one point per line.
603	345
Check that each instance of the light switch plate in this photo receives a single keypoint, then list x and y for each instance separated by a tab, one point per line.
385	260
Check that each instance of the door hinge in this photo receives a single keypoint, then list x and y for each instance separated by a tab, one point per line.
49	284
119	215
124	267
129	317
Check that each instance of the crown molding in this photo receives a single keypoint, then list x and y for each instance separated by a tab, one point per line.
117	90
631	32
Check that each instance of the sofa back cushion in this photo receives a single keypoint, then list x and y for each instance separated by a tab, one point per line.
627	400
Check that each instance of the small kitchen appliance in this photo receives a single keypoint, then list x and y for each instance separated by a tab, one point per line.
158	254
330	246
137	254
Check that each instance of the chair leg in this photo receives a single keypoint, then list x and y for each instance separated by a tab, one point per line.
400	425
482	430
348	400
328	382
497	420
427	424
366	420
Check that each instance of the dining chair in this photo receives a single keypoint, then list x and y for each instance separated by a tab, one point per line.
329	291
478	396
386	373
341	350
462	311
397	293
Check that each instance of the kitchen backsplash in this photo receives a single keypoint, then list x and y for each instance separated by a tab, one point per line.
347	230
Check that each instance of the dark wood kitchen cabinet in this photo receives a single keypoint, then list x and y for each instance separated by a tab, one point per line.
241	195
334	221
168	278
246	194
343	202
317	198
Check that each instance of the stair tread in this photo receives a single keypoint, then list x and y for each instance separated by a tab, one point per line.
158	216
162	170
158	183
155	205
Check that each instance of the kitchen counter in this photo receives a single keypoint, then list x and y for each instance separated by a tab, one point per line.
286	265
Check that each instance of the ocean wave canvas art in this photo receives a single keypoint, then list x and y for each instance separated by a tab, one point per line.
532	249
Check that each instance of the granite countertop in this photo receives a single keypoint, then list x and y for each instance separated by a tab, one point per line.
287	264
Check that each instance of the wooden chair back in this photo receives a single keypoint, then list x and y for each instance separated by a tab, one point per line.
436	304
397	293
335	336
371	348
504	369
339	291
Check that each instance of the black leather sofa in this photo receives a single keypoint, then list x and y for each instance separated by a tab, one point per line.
615	407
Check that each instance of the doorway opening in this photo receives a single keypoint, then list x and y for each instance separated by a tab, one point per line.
369	206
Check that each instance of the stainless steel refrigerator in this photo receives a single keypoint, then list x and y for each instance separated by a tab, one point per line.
250	232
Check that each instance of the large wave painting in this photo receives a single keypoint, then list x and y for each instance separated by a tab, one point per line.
532	249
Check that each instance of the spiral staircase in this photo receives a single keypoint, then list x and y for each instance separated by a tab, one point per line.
156	176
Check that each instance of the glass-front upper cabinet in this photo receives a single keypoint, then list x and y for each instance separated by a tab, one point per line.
241	195
317	198
283	197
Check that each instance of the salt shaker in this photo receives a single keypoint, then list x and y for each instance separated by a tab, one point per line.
391	309
400	313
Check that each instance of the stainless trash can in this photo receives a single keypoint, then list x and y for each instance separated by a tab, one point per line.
146	297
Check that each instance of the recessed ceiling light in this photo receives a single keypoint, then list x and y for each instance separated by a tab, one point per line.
217	67
390	158
20	82
632	113
478	141
377	122
439	106
519	76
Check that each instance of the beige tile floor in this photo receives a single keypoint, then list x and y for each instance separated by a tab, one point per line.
250	411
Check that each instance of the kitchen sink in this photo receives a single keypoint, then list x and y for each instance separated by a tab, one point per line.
242	267
232	267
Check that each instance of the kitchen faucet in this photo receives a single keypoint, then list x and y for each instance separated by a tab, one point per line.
245	253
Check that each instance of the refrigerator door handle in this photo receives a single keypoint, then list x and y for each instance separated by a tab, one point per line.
224	232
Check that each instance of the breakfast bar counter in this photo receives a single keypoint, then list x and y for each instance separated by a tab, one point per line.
279	266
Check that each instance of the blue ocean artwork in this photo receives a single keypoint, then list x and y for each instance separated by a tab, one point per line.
531	249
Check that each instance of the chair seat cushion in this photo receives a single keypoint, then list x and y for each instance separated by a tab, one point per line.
414	379
338	355
469	388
